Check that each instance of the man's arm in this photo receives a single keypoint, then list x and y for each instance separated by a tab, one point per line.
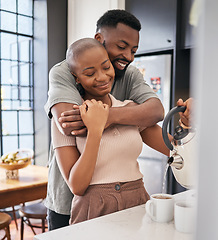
68	124
152	136
148	109
62	96
67	116
145	114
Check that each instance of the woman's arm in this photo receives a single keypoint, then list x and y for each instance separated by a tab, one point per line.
152	136
78	169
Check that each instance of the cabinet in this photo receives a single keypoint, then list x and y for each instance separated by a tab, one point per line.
165	24
187	29
158	20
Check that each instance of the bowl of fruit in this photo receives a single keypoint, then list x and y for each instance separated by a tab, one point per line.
16	160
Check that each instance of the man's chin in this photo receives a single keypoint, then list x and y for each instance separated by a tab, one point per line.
119	73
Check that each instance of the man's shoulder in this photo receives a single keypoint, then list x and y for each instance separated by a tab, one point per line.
62	70
61	66
131	69
131	72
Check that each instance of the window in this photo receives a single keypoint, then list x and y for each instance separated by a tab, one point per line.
16	78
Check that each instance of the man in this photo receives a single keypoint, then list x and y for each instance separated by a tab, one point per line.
118	31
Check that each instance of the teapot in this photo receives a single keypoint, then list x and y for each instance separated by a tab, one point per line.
182	151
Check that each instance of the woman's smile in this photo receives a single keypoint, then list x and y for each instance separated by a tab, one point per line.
103	86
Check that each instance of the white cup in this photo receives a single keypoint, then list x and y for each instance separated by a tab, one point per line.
184	216
160	207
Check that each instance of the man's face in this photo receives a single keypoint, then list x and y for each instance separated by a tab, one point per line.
121	44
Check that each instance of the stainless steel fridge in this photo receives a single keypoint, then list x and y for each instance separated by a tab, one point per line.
156	70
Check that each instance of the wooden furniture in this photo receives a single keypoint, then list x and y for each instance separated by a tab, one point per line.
33	211
12	210
31	185
5	220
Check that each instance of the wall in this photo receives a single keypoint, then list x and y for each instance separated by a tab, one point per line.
205	85
40	82
50	44
57	31
83	15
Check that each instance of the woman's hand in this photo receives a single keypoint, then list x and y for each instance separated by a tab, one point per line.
94	115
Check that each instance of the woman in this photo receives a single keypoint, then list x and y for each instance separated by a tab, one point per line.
101	169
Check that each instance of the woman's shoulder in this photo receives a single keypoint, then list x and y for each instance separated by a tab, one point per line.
118	103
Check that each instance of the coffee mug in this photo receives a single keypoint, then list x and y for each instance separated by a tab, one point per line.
184	216
160	207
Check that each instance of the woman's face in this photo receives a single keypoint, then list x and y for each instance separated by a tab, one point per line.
94	72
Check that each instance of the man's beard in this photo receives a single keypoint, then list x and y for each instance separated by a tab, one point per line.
118	73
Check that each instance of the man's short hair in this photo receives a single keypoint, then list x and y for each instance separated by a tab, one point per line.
112	17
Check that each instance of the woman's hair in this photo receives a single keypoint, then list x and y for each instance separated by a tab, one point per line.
112	17
78	47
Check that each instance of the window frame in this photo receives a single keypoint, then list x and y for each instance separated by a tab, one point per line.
18	85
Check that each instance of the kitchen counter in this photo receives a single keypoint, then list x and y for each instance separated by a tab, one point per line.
129	224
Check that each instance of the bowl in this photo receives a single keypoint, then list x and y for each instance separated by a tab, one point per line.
15	160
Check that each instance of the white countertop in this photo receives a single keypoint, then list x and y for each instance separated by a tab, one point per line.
129	224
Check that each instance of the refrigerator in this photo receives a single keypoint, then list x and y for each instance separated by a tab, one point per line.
156	71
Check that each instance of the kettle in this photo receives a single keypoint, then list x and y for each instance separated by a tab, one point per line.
182	151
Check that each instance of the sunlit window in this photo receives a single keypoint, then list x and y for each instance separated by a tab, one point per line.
16	78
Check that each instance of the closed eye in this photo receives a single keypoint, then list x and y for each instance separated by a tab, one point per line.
90	74
122	48
106	68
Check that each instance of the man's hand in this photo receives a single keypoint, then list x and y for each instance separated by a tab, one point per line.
186	117
72	120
